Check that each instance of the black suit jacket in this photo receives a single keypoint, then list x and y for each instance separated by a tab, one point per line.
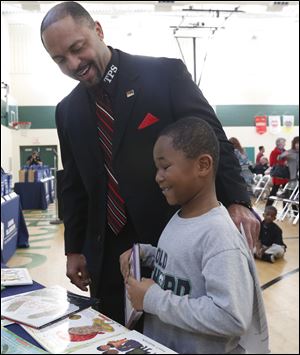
162	87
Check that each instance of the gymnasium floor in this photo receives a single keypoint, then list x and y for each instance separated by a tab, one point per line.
280	281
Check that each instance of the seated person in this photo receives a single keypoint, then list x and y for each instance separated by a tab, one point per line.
34	159
262	166
270	245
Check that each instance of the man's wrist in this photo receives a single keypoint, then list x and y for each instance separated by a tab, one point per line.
246	204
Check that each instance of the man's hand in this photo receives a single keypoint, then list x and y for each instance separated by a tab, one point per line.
136	291
124	264
260	249
241	214
77	271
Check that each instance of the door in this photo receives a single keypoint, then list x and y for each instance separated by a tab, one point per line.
250	153
47	154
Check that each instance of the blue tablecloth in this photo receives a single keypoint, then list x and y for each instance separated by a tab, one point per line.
51	185
14	228
16	328
34	195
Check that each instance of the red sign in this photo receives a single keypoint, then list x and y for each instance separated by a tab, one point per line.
261	124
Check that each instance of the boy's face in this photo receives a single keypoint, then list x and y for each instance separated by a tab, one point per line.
269	216
176	175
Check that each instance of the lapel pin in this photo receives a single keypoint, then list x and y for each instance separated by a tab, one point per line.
129	93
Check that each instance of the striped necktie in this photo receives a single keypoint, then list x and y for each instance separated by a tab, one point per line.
116	216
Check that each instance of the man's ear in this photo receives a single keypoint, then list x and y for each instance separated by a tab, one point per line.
99	30
204	164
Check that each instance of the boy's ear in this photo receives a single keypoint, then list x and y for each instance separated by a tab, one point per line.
204	164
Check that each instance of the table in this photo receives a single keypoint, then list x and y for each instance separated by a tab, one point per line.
51	186
59	182
13	227
35	195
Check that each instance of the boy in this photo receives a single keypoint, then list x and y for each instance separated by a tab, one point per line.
270	245
205	296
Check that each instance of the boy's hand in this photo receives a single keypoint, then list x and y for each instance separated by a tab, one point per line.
136	291
124	264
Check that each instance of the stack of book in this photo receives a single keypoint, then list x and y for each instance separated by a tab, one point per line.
43	307
63	322
15	277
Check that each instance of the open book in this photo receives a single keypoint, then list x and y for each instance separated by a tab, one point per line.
90	332
15	277
43	307
131	342
131	315
13	344
73	334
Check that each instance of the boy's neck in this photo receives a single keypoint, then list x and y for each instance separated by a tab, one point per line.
272	222
202	204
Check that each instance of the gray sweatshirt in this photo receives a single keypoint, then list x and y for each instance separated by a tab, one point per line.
292	157
207	297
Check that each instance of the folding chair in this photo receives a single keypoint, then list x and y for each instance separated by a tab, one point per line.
293	200
262	188
256	179
282	193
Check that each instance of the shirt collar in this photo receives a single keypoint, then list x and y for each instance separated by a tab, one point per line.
110	76
109	79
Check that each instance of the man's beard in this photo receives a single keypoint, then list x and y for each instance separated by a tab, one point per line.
95	81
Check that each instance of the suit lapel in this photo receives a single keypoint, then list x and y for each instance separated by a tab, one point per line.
126	96
83	125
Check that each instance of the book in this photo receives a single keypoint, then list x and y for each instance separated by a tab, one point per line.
13	344
45	306
131	342
15	277
5	322
76	332
131	315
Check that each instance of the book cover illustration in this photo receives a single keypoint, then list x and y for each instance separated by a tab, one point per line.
131	315
15	277
5	322
76	332
131	342
13	344
42	307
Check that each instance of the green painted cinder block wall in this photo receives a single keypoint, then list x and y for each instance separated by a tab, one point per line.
40	116
229	115
243	115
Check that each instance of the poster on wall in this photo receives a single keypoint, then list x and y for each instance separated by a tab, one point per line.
274	124
261	124
288	123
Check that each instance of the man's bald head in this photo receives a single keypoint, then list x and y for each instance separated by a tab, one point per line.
64	9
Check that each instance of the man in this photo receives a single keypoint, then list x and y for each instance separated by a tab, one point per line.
107	127
260	154
34	159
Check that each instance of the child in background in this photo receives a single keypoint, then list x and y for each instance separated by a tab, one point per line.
270	245
204	295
